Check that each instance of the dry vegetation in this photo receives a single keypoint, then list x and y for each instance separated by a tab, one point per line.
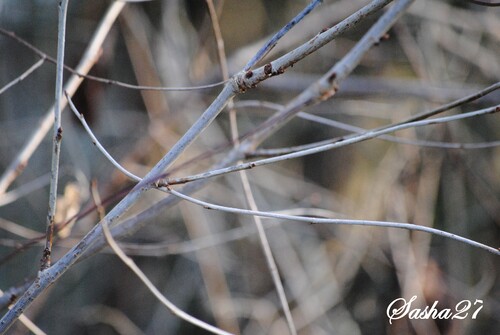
241	272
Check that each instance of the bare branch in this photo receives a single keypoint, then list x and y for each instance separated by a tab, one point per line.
329	83
98	144
276	37
312	220
24	75
395	169
351	128
45	261
340	143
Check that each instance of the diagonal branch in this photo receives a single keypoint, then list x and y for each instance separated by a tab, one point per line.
237	85
276	37
339	143
328	84
24	75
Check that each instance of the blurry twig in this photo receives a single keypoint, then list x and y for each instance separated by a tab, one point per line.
81	74
97	199
266	248
218	38
447	15
171	307
213	274
471	51
359	85
30	325
271	263
485	3
88	60
193	245
18	230
111	317
25	189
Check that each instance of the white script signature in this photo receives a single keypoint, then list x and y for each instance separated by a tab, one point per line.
400	308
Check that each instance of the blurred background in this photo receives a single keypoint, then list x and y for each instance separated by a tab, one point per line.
338	279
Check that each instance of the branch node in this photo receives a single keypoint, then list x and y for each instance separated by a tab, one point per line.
268	69
59	134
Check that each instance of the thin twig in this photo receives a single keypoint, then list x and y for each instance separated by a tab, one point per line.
251	78
107	81
97	200
273	269
340	143
24	75
454	104
162	249
328	84
24	189
45	261
351	128
227	318
312	220
276	37
171	307
98	144
266	247
219	40
197	244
